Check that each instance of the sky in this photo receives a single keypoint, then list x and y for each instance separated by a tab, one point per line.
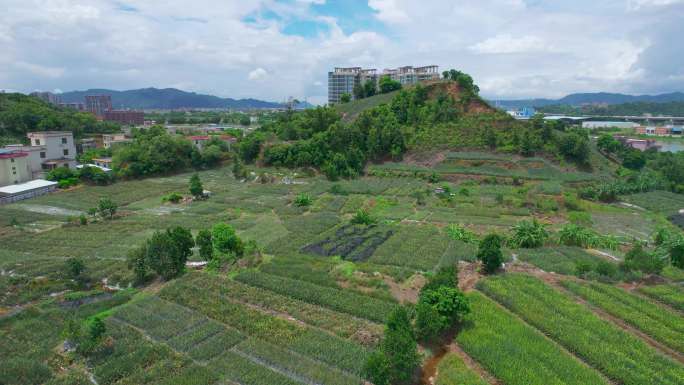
273	49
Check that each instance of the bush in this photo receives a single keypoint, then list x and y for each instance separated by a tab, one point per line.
204	242
460	233
489	252
529	234
172	197
303	200
638	259
107	208
195	186
225	240
363	217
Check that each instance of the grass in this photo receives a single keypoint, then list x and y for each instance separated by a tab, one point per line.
662	324
352	109
452	370
668	294
514	352
619	355
663	202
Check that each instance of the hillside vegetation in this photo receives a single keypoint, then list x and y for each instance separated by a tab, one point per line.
20	114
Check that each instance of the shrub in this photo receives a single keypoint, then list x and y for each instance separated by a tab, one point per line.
172	197
529	234
107	208
303	200
489	252
83	220
204	242
638	259
377	369
66	183
225	239
195	186
363	217
460	233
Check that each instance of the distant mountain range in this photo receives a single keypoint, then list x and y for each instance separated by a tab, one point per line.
169	98
590	98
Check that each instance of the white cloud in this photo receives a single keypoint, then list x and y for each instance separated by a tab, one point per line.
257	74
542	48
504	44
388	11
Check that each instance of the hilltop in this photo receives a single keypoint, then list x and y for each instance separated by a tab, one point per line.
169	98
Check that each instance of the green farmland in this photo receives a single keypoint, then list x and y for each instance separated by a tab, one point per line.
309	304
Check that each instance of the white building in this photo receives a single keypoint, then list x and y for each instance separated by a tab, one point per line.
48	150
607	124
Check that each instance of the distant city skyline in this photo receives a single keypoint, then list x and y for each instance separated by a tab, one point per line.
273	49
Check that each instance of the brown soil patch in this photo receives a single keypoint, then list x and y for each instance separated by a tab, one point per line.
425	159
407	291
468	275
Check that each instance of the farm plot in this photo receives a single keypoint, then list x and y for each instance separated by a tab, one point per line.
452	370
135	360
663	202
351	242
625	225
516	353
668	294
619	355
562	260
342	324
662	324
418	247
358	305
214	300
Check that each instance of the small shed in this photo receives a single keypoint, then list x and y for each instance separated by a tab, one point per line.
18	192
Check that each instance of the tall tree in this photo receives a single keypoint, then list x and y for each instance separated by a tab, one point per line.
196	188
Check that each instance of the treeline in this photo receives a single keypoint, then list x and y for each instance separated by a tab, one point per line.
633	109
155	152
20	114
200	117
665	170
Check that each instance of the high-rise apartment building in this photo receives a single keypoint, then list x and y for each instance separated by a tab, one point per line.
342	80
126	117
48	97
98	104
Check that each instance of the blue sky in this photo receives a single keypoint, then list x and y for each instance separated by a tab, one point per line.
273	49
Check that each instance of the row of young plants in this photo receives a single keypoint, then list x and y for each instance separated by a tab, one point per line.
662	324
301	367
671	295
516	353
341	324
237	368
621	356
452	370
213	299
344	301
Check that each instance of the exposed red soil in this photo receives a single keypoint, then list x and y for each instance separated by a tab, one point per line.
407	291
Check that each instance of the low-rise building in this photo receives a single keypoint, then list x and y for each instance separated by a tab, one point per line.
47	150
200	141
103	162
14	167
17	192
608	124
126	117
654	130
111	140
86	144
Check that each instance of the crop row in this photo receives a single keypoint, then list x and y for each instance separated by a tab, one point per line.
213	299
668	294
342	324
619	355
561	260
344	301
656	321
304	368
516	353
452	370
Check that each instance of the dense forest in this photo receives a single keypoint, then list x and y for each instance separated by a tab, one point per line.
20	114
447	114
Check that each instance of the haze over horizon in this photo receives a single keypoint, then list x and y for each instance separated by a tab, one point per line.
272	49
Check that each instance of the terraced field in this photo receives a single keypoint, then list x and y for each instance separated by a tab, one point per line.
312	307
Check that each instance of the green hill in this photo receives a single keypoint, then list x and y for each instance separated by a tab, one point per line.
352	109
